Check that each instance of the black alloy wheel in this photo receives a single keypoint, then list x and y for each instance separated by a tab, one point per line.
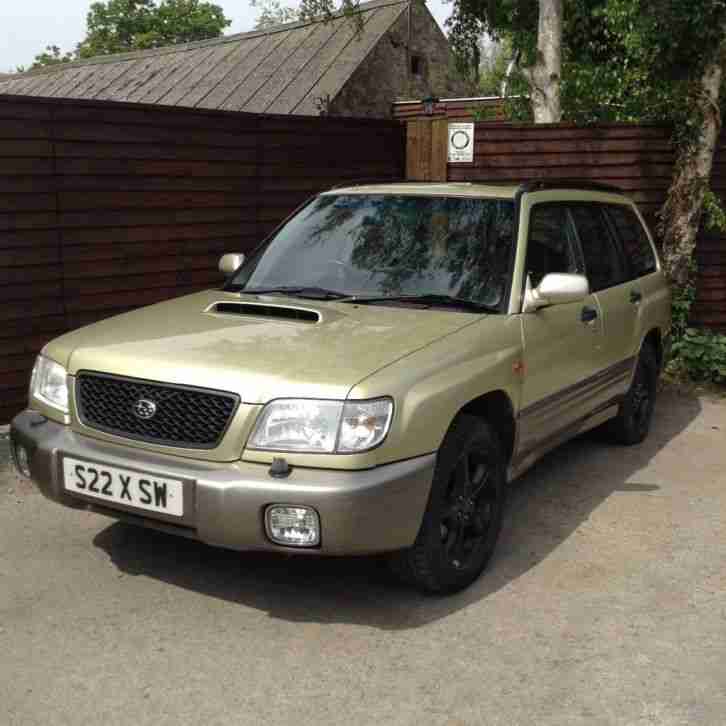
469	515
464	514
635	414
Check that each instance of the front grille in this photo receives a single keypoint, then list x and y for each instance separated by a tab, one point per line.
184	416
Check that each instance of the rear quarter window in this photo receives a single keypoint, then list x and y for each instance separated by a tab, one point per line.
634	239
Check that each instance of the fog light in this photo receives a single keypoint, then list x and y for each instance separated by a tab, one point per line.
292	525
22	460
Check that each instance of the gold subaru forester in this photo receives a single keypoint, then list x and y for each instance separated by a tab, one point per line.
368	380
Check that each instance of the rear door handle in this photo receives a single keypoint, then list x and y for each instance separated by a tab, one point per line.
588	314
635	296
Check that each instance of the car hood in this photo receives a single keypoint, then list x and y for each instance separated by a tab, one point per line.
254	352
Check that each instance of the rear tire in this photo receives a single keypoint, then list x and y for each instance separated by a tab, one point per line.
463	517
632	424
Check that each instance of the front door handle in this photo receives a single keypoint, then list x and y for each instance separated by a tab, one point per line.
635	296
588	314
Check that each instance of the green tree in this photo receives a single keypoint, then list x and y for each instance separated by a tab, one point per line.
325	9
677	48
117	26
273	12
495	57
629	60
484	71
51	56
535	29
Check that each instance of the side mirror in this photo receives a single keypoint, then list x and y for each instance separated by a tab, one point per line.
230	262
555	289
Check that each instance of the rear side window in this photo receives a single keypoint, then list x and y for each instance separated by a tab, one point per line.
634	240
603	264
551	245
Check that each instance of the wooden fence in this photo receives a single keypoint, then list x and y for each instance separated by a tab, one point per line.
637	158
105	206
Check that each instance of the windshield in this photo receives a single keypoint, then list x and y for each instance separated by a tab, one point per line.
388	245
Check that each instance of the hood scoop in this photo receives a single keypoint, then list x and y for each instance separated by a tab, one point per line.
259	310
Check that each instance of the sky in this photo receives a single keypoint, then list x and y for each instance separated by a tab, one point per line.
27	26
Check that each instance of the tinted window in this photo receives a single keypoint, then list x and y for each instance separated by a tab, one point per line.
551	244
375	244
603	265
634	240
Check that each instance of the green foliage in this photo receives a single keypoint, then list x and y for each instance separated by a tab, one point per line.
702	355
698	354
484	113
681	310
273	12
628	60
518	108
623	60
51	56
713	213
117	26
493	68
325	9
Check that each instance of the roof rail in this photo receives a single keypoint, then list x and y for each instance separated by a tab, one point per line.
536	185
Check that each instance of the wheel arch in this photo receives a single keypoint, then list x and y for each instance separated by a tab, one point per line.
496	408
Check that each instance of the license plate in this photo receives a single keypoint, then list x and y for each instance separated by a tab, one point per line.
121	486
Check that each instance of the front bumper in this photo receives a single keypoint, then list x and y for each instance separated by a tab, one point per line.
361	512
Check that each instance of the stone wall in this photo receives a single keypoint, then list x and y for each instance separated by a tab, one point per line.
386	76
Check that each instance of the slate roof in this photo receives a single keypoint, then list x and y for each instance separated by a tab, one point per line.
282	69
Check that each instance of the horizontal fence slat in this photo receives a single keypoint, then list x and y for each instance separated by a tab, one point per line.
21	327
29	345
101	236
36	148
569	146
23	129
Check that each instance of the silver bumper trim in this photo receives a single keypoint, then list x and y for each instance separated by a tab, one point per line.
361	512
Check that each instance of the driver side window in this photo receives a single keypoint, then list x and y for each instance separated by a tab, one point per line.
551	243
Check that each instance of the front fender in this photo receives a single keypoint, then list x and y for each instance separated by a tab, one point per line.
432	385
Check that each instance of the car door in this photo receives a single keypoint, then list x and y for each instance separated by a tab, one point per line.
617	295
562	343
647	292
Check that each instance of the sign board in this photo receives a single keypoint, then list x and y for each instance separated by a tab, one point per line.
461	142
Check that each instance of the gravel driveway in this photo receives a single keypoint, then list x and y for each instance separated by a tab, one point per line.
606	604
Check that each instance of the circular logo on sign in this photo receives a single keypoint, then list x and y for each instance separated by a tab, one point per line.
144	408
460	140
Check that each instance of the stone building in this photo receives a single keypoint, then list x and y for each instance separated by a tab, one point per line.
346	66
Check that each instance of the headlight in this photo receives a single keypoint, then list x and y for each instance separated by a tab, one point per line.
323	427
298	425
49	383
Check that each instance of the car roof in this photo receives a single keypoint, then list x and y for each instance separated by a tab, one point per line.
432	189
478	190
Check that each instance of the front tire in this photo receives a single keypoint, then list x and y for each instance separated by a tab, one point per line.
632	424
464	514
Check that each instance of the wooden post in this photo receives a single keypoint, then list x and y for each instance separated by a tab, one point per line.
418	150
426	149
439	150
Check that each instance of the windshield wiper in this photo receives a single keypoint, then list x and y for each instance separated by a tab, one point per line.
310	293
427	299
